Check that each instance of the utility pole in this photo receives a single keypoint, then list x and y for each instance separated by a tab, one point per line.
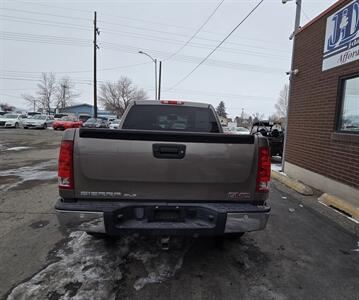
95	47
159	81
291	73
63	86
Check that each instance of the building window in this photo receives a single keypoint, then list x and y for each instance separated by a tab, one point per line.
349	102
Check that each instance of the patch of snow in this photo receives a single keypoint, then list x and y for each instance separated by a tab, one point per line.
277	168
17	148
37	172
88	269
160	266
291	210
284	197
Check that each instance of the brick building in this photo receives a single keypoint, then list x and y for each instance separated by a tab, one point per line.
323	119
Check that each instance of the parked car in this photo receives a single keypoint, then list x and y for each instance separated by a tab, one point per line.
84	118
226	130
168	170
115	124
11	120
240	130
38	121
274	132
95	123
59	116
32	113
66	122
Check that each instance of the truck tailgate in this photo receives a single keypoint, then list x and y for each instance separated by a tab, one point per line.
128	164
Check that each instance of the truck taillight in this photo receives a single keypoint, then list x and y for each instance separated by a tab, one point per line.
264	170
65	168
174	102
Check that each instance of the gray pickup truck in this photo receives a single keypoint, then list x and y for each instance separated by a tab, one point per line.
168	170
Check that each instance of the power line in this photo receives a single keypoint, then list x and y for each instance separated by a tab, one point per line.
136	28
147	37
54	40
136	20
214	50
196	32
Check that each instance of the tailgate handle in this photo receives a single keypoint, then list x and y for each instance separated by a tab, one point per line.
169	151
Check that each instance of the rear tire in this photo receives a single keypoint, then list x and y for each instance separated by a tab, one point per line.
16	125
45	126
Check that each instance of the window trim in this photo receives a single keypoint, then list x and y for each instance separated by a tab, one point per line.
340	103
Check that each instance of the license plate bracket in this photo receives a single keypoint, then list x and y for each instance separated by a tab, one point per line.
167	215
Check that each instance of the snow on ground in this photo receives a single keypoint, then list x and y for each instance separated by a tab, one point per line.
28	173
276	167
90	268
160	265
87	269
17	148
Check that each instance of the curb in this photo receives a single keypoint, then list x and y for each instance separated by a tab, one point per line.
340	204
292	183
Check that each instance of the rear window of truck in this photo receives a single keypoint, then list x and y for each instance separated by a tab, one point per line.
171	118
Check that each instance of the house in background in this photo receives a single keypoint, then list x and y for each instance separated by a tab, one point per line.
85	109
78	109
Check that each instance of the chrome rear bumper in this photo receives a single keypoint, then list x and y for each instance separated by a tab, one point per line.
243	222
249	218
81	220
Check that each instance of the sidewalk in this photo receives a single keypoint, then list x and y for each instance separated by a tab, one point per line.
339	210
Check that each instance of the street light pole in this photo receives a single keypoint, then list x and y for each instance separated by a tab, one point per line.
155	62
159	81
156	94
291	74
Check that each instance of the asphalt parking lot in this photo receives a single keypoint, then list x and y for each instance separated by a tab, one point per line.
303	254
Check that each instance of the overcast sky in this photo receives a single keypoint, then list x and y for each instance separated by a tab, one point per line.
247	72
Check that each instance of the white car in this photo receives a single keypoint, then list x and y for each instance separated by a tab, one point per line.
11	120
115	124
241	130
38	121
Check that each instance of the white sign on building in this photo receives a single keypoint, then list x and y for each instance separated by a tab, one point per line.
341	44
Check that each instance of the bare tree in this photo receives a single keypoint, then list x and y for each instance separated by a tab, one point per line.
6	107
32	101
116	96
257	117
65	92
282	103
46	91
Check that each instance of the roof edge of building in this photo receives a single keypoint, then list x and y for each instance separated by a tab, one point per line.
317	18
